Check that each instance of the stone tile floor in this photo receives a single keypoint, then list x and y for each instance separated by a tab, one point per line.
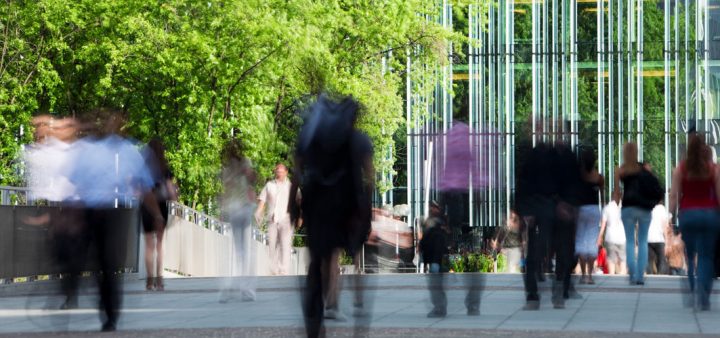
398	303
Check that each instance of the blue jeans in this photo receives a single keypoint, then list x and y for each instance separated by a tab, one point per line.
434	268
630	217
436	285
699	230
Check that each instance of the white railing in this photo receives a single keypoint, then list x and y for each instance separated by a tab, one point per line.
14	196
209	222
24	196
196	217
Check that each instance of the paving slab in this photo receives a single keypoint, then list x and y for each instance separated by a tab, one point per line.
398	304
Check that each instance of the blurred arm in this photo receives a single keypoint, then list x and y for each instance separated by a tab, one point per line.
675	188
603	226
151	204
617	195
261	205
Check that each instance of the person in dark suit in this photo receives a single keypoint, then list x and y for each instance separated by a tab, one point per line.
333	160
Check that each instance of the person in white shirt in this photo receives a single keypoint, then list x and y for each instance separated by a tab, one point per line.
273	201
657	262
45	162
107	168
238	202
46	159
612	234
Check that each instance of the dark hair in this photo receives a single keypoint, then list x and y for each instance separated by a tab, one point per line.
158	150
587	159
696	161
103	121
233	149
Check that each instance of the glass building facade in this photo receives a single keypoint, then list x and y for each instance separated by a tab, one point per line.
591	73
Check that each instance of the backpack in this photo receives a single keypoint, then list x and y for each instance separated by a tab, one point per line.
328	125
650	188
645	191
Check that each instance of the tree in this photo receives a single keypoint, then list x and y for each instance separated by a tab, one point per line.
199	73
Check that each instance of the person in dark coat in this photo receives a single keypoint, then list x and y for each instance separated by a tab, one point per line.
547	189
433	246
332	159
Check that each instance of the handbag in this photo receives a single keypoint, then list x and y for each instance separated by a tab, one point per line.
650	188
645	191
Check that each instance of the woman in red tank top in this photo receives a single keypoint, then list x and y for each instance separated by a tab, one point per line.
695	188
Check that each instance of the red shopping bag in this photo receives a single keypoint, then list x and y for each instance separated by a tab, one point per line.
602	260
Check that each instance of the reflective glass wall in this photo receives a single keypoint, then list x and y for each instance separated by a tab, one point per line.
592	73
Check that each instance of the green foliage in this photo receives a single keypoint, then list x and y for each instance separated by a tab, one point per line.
501	262
472	262
455	263
199	73
345	259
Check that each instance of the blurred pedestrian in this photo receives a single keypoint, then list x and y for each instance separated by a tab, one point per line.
434	247
359	227
274	202
333	160
659	223
612	238
536	188
695	191
567	171
640	192
510	241
589	217
164	190
237	203
675	253
48	181
106	169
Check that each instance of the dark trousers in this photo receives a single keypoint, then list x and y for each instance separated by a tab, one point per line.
109	241
657	262
313	303
546	228
70	241
436	283
564	245
71	250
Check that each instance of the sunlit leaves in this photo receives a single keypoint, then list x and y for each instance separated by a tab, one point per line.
195	73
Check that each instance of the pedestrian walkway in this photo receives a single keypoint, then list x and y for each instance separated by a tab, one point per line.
190	307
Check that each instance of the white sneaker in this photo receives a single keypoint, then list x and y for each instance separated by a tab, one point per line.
334	314
224	298
360	312
247	296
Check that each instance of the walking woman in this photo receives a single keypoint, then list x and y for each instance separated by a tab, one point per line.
695	188
640	193
164	190
238	204
588	222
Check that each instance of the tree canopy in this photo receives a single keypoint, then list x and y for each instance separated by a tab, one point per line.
199	73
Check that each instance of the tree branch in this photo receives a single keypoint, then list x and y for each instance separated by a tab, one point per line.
278	103
410	43
249	70
6	38
34	67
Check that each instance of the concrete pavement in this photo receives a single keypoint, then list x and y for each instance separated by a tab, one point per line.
399	304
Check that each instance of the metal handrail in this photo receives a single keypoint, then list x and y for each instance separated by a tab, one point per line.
24	196
21	195
196	217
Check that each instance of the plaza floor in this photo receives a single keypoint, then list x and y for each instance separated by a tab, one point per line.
398	305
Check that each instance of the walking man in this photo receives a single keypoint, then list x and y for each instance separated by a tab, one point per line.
659	222
273	201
